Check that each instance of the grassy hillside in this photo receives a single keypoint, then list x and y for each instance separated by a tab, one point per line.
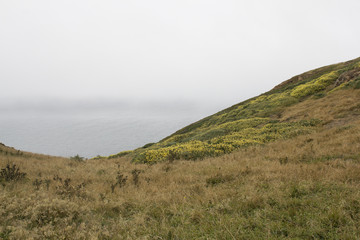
296	175
256	121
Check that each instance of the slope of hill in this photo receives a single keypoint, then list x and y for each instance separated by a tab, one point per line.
11	152
259	120
296	177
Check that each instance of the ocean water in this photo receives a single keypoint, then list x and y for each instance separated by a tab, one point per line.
89	134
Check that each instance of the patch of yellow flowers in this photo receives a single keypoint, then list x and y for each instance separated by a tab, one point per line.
216	146
315	85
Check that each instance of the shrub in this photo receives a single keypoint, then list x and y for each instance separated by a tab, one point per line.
11	173
120	181
135	174
37	183
283	160
77	158
357	83
65	189
315	85
148	145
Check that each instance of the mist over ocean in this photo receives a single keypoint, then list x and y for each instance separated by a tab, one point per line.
60	130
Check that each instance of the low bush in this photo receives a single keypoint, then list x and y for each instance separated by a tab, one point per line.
77	158
120	181
11	173
67	190
315	85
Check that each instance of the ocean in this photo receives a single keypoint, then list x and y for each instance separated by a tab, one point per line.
89	134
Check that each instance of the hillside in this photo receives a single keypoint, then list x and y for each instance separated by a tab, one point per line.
283	165
261	119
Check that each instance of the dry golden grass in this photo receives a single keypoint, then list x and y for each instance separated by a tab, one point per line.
336	106
307	187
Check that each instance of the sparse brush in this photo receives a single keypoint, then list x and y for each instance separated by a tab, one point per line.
37	183
47	183
77	158
283	160
65	189
135	176
11	173
120	181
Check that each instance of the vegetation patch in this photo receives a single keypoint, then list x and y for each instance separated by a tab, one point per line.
315	85
11	173
77	158
242	133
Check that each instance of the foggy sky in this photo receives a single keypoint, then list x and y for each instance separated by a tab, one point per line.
203	51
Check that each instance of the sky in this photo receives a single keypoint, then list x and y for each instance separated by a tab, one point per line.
193	52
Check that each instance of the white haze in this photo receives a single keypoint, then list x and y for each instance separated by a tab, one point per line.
203	51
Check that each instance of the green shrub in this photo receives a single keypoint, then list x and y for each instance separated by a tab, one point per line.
148	145
77	158
357	83
315	85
